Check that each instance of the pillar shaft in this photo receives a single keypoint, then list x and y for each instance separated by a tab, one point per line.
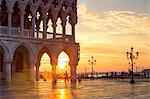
33	24
8	71
22	23
9	22
54	78
73	73
73	32
64	30
37	31
37	73
54	30
32	72
64	33
54	64
44	27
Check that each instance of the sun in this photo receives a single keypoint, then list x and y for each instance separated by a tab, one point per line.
63	60
45	63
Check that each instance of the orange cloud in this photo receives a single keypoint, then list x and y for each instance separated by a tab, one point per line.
111	34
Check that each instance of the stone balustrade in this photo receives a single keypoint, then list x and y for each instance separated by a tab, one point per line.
16	32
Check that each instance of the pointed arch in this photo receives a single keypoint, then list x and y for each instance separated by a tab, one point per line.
27	46
63	59
42	51
2	55
21	63
28	17
68	50
6	50
3	13
16	15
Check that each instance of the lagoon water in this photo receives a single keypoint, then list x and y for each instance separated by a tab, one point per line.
87	89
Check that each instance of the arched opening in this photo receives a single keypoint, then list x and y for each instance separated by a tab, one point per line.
16	16
63	68
21	65
68	27
49	25
28	18
49	29
59	27
45	68
3	14
43	65
1	63
39	23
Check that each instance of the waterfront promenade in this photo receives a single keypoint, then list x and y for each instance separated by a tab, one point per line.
87	89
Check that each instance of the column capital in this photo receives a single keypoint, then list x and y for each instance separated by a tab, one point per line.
33	9
10	11
0	2
32	63
44	17
54	25
22	12
10	5
54	62
63	23
38	64
8	60
73	64
74	61
73	19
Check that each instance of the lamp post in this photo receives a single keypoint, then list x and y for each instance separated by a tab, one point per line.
132	57
92	62
135	67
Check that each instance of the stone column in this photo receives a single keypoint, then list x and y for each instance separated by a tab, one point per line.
32	72
64	29
10	5
54	30
9	21
33	23
44	27
73	72
8	71
22	22
54	64
0	4
73	31
54	79
37	71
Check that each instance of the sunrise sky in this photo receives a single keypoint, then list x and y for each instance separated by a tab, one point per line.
107	29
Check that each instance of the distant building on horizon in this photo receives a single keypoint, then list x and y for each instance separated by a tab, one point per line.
146	72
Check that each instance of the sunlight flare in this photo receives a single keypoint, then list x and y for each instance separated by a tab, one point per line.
63	60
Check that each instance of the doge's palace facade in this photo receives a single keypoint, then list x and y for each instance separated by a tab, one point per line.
24	37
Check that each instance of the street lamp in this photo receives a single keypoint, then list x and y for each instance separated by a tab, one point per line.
131	57
92	62
85	73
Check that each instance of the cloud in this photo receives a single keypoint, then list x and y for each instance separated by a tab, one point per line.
113	25
109	35
114	22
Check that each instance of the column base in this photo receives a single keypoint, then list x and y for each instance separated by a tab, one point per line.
132	81
73	80
54	81
32	82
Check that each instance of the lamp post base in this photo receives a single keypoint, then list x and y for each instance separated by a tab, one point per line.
92	78
132	81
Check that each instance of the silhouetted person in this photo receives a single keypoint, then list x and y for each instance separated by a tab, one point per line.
66	76
79	79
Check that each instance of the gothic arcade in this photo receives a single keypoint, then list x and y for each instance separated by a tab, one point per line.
24	37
